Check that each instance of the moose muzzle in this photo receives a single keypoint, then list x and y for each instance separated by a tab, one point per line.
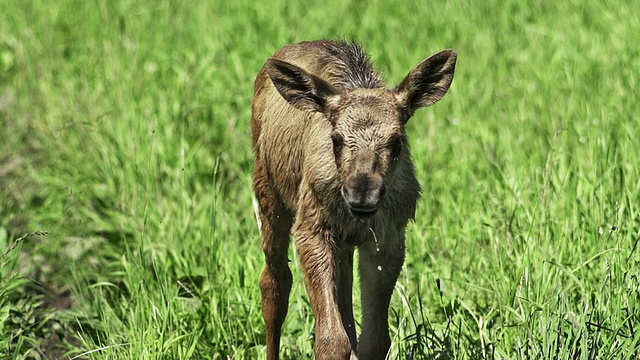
363	194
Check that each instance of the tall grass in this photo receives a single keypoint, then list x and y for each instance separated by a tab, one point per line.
124	133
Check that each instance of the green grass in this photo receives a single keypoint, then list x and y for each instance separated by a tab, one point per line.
124	134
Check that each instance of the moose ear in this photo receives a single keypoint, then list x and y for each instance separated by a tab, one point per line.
427	83
299	88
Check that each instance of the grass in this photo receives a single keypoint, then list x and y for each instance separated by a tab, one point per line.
124	134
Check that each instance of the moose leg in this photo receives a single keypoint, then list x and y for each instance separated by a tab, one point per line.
276	279
316	252
379	270
275	284
345	291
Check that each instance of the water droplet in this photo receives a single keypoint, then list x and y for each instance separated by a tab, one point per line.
375	239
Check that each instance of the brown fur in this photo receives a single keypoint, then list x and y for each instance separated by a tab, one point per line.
332	166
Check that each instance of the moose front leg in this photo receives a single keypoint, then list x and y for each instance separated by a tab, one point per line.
317	255
379	269
345	293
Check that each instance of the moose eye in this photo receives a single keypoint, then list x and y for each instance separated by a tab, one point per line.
396	145
338	144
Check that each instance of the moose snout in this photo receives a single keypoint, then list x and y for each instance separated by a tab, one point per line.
363	194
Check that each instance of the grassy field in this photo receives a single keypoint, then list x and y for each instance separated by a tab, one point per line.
126	222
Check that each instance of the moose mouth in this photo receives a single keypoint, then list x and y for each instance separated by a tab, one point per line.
361	212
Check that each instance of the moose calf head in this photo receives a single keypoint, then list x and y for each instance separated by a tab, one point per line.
368	123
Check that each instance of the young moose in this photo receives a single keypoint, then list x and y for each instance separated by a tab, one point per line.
332	166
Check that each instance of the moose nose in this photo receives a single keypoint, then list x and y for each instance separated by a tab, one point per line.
363	194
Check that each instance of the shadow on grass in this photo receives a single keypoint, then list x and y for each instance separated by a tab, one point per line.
37	312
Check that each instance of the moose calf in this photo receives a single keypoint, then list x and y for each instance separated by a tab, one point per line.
332	166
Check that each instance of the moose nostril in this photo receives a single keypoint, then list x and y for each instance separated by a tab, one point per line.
383	190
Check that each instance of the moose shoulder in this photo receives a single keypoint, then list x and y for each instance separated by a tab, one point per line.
332	166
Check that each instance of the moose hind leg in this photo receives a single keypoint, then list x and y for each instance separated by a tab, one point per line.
275	283
276	279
